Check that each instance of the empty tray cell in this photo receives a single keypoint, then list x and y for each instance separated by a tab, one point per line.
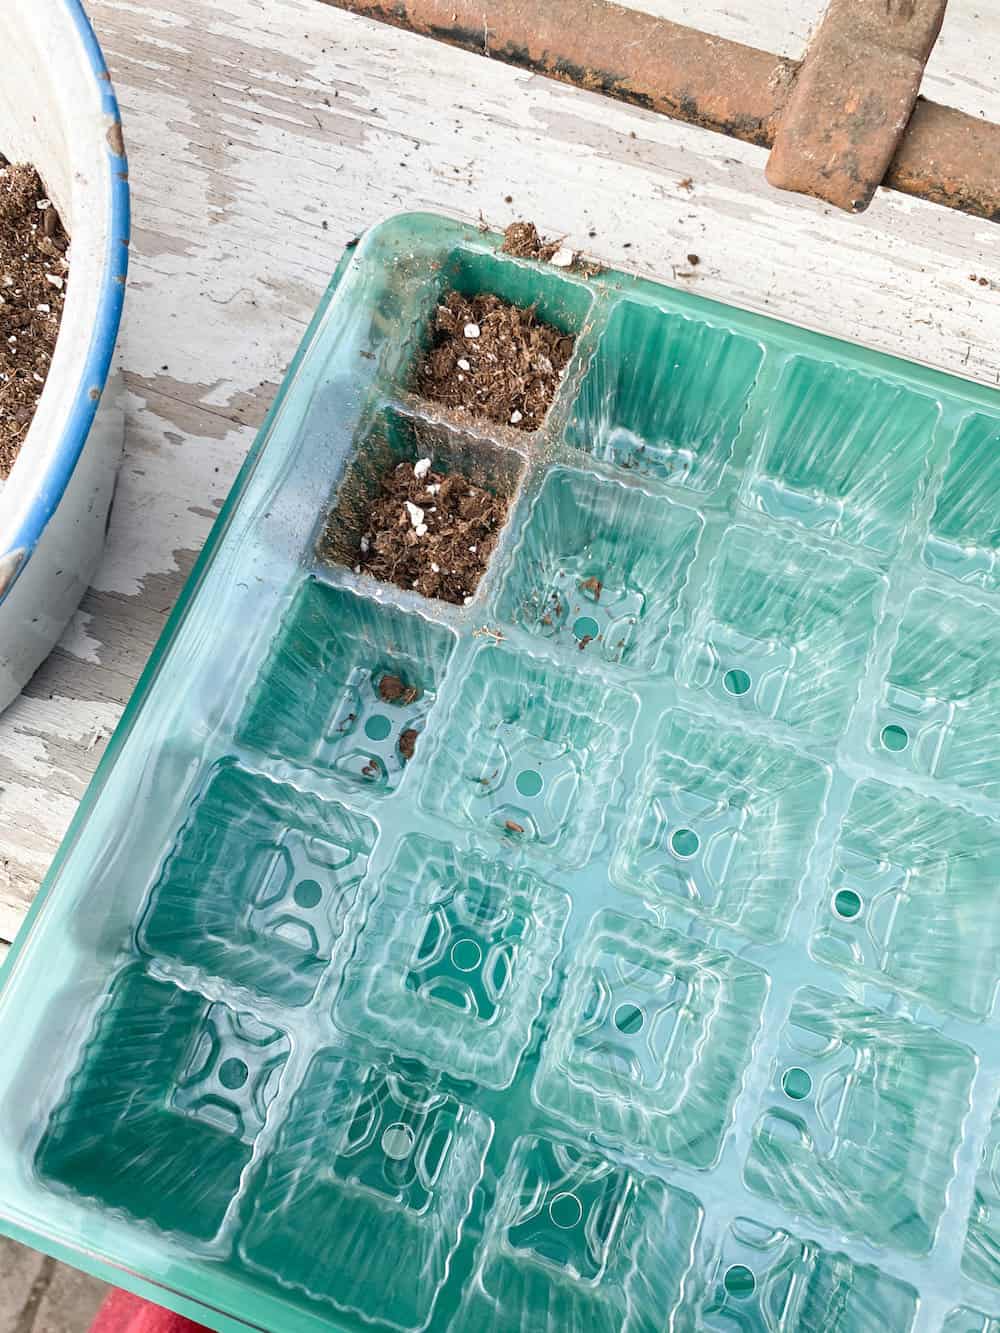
844	452
362	1200
865	1119
555	299
785	631
257	885
347	686
914	900
394	438
722	823
651	1039
964	537
161	1115
967	1320
938	708
577	1242
453	961
600	568
665	395
531	752
765	1279
981	1257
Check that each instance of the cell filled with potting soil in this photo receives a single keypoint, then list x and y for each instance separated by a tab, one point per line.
547	877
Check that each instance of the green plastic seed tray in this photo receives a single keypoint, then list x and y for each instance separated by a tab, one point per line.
655	987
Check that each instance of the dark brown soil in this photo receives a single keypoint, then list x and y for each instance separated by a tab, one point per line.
521	239
394	690
430	532
33	275
494	360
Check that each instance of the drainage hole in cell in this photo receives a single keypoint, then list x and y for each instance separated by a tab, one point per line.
895	738
307	893
847	904
586	628
528	782
565	1211
397	1141
377	727
739	1281
466	955
233	1074
629	1018
796	1083
684	842
736	681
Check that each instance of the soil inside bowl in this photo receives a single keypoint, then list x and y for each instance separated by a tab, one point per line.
431	531
34	269
491	359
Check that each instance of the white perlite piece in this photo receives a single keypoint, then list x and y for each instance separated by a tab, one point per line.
365	545
416	517
433	489
463	364
472	330
563	257
55	279
515	417
435	568
421	468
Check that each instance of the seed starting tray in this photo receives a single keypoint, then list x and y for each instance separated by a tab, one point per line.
657	989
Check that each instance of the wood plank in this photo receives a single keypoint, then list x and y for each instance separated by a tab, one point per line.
263	136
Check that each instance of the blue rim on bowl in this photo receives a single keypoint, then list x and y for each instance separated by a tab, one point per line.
51	484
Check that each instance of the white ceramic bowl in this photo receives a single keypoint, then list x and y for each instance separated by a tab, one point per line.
58	111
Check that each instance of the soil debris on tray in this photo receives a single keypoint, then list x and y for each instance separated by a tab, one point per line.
407	742
430	531
34	269
394	690
495	360
521	239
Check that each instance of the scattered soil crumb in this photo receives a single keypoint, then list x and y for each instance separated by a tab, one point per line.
34	269
594	586
694	260
522	240
393	690
441	554
494	360
512	827
407	742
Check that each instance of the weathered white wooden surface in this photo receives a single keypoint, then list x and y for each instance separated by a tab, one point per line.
264	134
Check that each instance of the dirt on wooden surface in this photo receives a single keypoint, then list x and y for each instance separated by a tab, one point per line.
491	359
431	531
34	269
